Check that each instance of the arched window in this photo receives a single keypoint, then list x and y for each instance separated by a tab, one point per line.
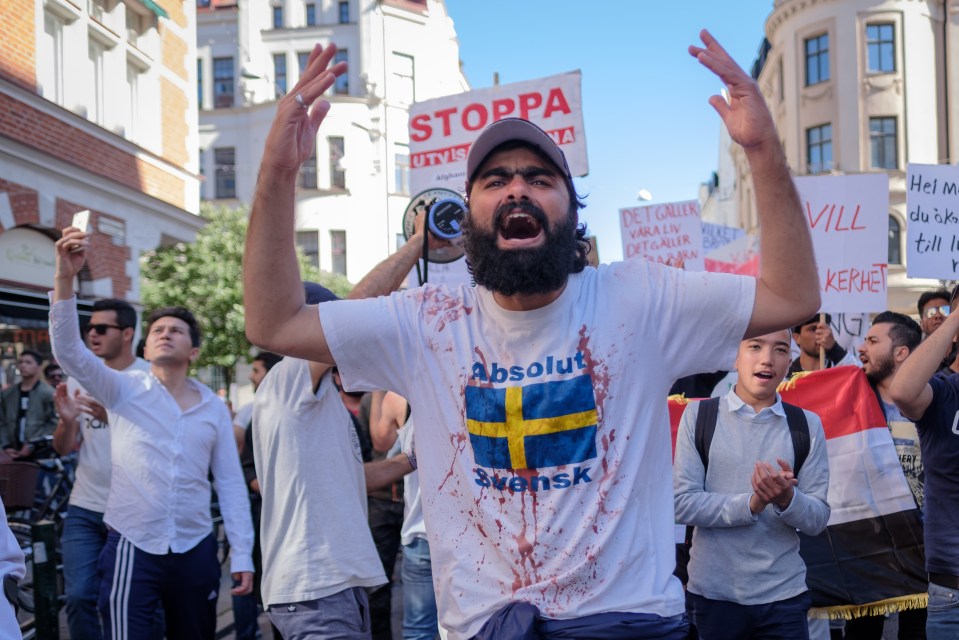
895	251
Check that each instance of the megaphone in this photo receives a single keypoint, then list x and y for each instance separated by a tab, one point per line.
445	211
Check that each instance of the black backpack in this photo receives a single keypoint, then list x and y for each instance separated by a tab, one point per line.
706	427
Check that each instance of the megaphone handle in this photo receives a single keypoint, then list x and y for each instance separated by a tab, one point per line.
426	254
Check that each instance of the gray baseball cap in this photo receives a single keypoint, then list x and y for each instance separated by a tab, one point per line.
509	129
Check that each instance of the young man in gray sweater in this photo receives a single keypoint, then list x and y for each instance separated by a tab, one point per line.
746	577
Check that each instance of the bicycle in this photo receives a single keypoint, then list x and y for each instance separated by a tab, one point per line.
27	504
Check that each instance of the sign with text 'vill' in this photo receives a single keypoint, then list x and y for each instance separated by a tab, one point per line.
932	227
849	219
442	129
670	233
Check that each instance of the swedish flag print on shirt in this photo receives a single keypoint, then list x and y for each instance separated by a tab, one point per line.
547	424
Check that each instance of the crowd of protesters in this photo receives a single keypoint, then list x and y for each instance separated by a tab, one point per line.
533	500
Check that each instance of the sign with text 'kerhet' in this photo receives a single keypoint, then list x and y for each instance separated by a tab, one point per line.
848	216
442	129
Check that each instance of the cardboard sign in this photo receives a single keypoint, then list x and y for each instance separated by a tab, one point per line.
667	233
442	129
932	229
849	219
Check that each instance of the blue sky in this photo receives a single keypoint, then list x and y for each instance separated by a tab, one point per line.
648	125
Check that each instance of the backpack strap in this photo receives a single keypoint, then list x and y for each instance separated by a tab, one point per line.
705	428
799	432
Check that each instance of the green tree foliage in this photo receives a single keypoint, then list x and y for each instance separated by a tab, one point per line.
206	277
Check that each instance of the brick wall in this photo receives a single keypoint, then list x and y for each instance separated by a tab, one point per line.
17	43
56	138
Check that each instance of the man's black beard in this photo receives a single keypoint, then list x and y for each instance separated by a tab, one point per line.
531	271
882	369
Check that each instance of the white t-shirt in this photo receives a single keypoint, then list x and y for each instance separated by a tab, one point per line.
92	485
543	436
413	524
314	535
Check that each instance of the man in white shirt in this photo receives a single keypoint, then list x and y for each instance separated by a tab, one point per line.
170	433
539	395
84	427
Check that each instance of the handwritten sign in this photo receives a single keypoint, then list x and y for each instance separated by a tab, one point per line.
740	256
932	228
849	220
664	233
719	235
442	129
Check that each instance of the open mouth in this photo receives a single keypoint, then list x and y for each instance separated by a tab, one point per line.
764	375
519	226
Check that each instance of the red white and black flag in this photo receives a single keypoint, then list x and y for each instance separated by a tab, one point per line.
870	558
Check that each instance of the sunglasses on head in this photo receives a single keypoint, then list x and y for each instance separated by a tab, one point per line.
932	311
102	329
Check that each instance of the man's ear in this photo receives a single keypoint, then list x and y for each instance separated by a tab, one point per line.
194	354
127	334
900	353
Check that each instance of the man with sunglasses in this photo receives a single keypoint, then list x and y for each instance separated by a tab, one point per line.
84	427
933	310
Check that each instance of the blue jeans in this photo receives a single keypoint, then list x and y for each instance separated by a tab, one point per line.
419	599
84	535
943	620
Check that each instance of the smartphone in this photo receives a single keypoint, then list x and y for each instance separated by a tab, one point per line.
81	220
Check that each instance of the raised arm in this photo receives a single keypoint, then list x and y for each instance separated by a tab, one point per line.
787	290
910	388
277	317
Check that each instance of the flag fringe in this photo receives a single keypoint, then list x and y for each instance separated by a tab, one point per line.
878	608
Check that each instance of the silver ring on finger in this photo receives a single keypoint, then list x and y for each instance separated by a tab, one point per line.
300	101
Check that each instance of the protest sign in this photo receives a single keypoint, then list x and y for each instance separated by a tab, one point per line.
442	129
932	200
666	233
848	216
719	235
739	256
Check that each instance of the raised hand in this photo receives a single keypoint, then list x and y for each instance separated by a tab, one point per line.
300	112
71	252
67	406
745	114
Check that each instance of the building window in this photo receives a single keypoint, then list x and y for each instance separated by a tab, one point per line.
279	73
404	86
135	26
222	83
401	155
96	52
308	172
817	59
309	244
277	17
881	47
133	82
52	84
344	11
882	143
301	59
199	83
895	253
225	160
819	148
342	84
310	14
337	172
338	251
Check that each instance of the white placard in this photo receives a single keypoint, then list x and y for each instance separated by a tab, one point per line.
442	129
666	233
848	216
719	235
932	228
